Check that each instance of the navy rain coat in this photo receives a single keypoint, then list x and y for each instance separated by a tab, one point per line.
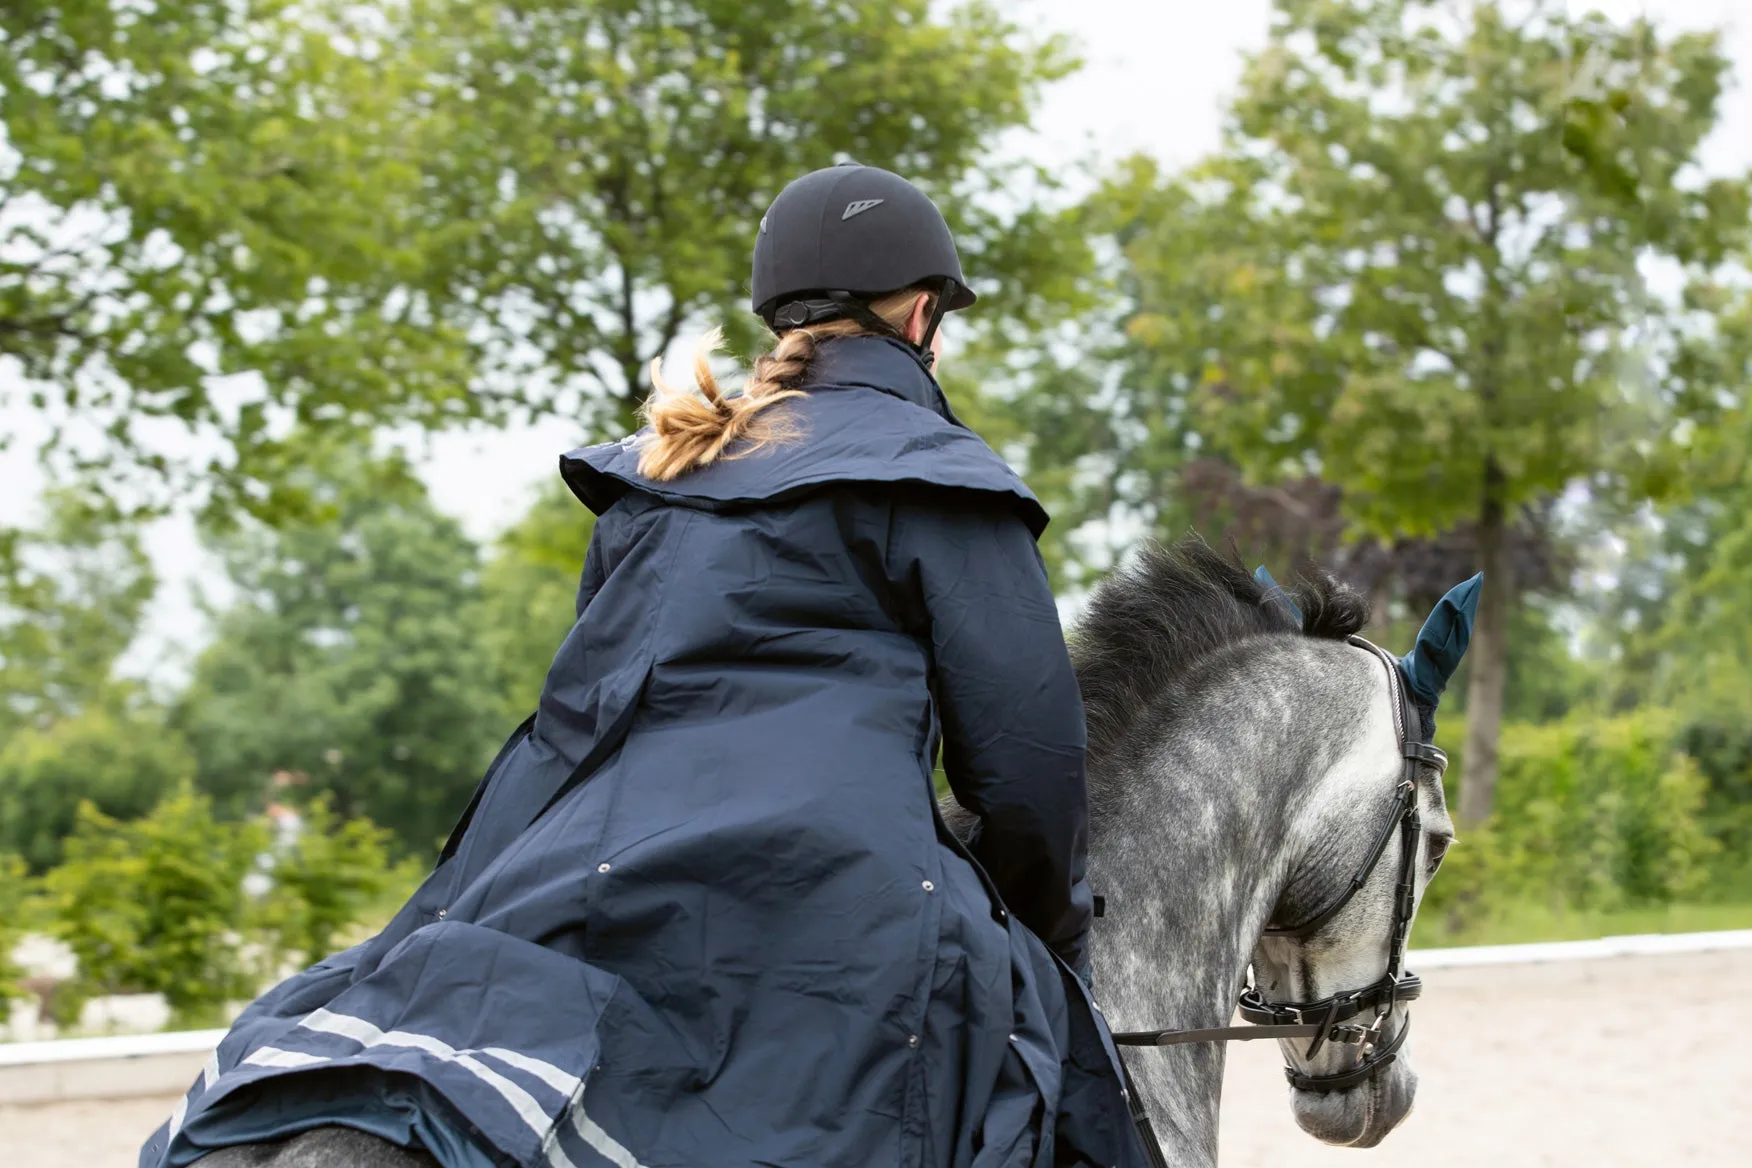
701	911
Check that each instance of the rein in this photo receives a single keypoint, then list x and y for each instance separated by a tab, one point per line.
1330	1019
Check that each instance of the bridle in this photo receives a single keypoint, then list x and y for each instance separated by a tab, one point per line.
1331	1019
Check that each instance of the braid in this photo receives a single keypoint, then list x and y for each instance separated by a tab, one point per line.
786	366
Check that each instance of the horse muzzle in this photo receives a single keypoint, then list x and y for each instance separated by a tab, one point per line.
1354	1109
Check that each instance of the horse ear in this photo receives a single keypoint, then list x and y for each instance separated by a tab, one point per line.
1273	592
1441	643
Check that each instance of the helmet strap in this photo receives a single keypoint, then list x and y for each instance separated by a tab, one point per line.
854	309
937	311
843	305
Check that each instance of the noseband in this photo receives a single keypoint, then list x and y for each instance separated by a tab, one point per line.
1331	1019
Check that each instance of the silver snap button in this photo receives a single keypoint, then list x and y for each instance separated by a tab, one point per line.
912	1040
603	867
1013	1038
442	913
928	886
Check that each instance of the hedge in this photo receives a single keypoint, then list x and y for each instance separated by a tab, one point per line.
1590	813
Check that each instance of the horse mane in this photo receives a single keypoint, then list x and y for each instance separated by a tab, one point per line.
1169	608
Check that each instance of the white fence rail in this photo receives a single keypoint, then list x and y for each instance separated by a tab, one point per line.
118	1067
1640	945
165	1064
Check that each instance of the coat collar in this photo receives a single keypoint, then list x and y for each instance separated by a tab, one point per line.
881	363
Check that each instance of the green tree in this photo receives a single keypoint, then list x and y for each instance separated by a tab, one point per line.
600	167
206	189
73	592
1698	657
1674	620
529	596
227	217
120	761
1681	615
1417	260
350	662
157	906
72	597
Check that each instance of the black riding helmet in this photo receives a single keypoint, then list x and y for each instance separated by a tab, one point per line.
837	238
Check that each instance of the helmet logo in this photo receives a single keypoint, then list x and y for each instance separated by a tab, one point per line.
859	207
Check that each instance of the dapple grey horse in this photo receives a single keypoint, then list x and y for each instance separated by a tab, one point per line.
1244	760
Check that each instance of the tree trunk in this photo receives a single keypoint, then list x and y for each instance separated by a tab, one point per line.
1488	656
1381	605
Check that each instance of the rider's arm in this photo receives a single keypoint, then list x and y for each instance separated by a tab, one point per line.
1013	735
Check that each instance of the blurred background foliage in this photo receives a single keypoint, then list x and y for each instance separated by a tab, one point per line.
1453	293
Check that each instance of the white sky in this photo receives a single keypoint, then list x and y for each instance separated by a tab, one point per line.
1156	74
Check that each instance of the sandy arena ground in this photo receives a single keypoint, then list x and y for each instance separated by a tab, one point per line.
1602	1064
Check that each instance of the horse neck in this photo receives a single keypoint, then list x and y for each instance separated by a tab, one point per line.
1190	859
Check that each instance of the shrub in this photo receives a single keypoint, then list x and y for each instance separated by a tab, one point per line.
157	905
1721	742
325	880
15	915
1591	813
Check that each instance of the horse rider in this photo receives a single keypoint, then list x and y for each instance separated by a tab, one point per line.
702	909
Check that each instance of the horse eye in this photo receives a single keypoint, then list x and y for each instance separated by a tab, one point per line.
1438	849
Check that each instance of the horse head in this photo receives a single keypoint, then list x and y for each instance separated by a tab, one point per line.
1267	812
1333	952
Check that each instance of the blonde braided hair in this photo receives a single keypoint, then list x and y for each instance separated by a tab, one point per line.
691	430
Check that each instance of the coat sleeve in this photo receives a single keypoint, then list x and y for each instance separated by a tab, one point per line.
1013	733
